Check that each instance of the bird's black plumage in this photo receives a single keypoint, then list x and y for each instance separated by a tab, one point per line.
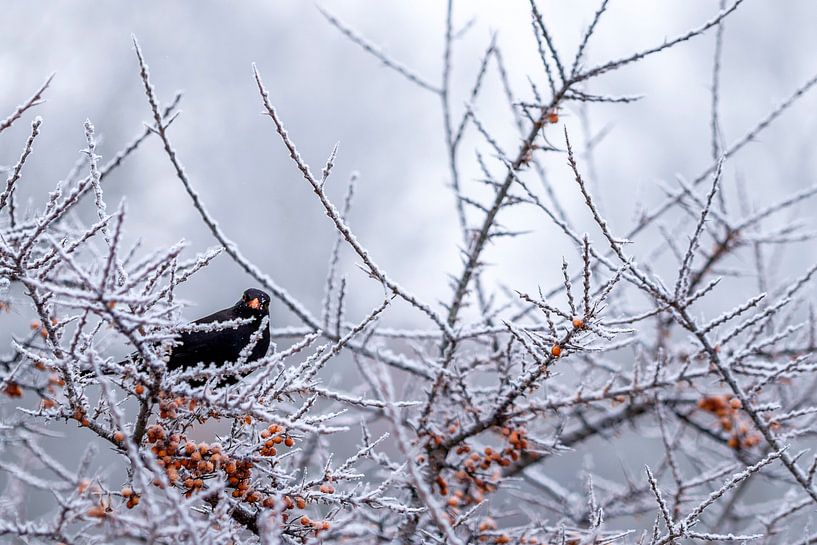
224	345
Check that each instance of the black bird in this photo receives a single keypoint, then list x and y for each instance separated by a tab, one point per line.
224	345
219	346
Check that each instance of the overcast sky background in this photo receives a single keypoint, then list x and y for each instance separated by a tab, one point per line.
328	90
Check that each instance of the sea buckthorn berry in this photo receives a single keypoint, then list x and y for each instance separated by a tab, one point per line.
97	511
578	323
556	351
13	390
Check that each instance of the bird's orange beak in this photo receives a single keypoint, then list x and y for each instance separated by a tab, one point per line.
254	304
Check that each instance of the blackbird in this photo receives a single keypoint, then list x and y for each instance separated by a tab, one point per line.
224	345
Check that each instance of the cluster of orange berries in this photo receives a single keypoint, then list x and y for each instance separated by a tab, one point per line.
168	407
40	329
131	497
315	525
188	464
727	408
274	435
80	417
299	502
473	483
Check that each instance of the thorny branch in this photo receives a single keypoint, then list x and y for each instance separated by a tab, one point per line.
479	407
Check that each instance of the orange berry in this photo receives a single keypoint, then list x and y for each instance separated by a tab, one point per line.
139	389
305	521
578	323
118	436
97	511
13	390
556	351
735	403
300	502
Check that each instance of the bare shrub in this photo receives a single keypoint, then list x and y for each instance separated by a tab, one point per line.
499	385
